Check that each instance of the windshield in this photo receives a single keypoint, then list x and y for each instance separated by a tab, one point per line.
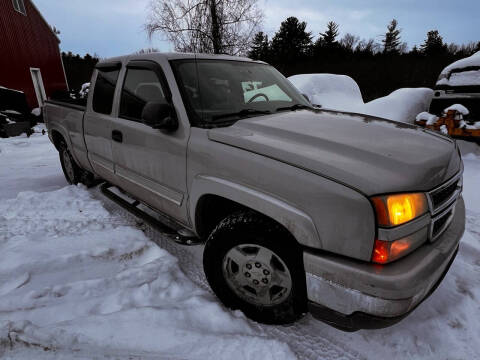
216	91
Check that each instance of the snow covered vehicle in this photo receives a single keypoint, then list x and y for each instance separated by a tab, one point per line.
353	217
459	83
341	92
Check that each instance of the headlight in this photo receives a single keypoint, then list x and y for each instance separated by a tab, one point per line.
393	210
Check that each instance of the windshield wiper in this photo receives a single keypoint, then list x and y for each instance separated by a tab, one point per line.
294	107
243	112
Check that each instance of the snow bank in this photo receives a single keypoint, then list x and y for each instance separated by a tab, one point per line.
75	277
340	92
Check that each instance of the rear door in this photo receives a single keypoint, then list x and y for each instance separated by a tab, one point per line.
149	163
98	120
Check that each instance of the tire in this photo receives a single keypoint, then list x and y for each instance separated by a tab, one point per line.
73	173
247	242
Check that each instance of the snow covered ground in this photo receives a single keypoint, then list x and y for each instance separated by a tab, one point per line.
81	278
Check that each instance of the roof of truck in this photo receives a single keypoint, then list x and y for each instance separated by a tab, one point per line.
176	56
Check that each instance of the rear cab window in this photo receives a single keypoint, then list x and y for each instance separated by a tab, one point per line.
104	90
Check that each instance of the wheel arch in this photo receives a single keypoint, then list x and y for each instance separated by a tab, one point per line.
212	199
57	138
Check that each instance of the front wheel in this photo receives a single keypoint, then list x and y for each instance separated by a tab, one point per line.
253	264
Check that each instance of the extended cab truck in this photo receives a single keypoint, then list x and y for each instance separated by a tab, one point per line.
352	217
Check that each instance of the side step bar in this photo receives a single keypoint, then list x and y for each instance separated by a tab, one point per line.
169	228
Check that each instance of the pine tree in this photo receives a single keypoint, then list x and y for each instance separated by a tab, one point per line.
433	45
292	41
392	40
260	47
330	35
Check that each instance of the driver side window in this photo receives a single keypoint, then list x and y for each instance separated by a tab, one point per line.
140	87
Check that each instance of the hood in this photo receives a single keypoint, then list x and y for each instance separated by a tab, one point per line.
371	155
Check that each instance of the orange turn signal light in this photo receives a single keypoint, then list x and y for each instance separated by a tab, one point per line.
393	210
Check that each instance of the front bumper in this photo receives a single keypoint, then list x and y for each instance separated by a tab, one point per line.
352	294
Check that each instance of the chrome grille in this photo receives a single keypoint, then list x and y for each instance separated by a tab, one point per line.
441	223
441	196
442	201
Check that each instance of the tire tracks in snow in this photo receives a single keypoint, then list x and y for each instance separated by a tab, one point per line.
305	337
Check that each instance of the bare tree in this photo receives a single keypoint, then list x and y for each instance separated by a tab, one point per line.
208	26
349	41
368	46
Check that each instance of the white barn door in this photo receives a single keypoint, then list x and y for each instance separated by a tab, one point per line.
38	86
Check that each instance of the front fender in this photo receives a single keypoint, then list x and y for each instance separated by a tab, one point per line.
296	221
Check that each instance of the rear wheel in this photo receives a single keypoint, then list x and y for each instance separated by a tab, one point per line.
253	264
73	173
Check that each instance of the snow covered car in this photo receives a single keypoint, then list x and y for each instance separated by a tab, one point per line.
353	217
341	92
459	83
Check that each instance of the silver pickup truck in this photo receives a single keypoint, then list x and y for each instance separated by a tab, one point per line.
351	217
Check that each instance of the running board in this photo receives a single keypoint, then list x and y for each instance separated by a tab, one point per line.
169	228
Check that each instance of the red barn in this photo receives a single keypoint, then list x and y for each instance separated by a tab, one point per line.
30	58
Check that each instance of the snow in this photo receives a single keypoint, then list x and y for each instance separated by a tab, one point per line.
464	78
401	105
76	277
328	90
80	278
3	87
429	118
475	126
340	92
37	111
458	108
470	77
84	90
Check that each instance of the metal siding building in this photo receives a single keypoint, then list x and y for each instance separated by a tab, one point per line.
29	52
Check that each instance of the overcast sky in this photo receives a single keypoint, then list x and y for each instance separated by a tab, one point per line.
115	27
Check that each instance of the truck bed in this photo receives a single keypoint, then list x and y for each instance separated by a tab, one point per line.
69	118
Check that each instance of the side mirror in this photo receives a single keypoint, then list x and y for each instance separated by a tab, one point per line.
160	115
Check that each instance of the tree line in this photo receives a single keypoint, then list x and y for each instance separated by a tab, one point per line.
232	27
378	68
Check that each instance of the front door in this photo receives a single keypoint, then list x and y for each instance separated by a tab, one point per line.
38	86
149	163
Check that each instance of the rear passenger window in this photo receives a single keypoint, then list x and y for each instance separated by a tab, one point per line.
141	86
104	90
